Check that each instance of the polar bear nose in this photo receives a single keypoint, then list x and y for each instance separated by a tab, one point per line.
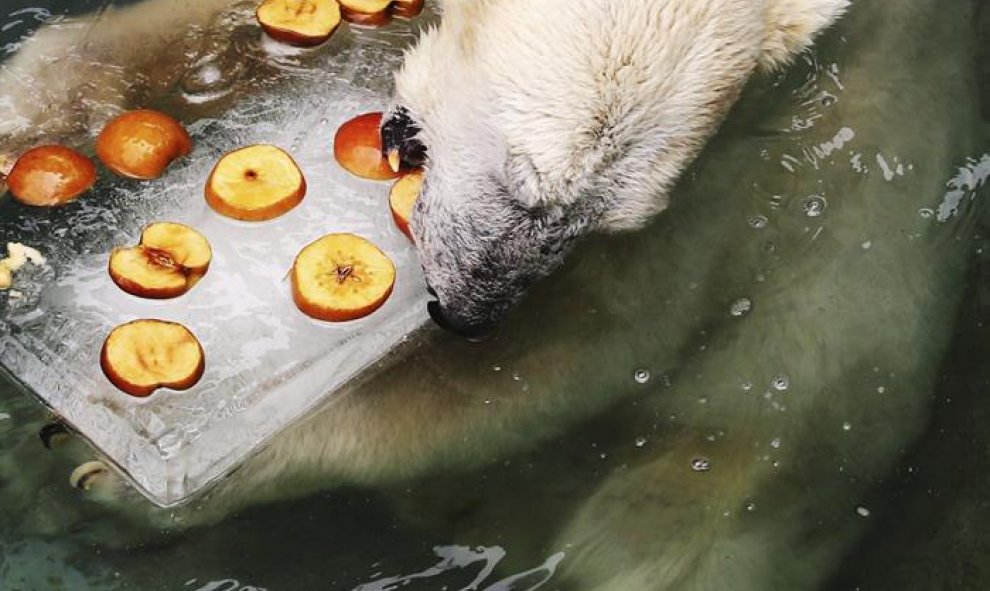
473	333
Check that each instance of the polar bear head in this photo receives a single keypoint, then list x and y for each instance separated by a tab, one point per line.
481	243
538	123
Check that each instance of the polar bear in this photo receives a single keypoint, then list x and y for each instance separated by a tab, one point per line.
703	403
629	91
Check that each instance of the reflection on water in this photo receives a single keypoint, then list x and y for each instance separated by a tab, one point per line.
849	161
966	185
470	569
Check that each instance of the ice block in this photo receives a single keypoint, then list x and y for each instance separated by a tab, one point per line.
267	364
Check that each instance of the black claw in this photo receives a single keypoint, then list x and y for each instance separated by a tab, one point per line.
81	481
401	134
51	432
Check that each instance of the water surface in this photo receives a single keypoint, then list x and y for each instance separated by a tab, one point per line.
872	114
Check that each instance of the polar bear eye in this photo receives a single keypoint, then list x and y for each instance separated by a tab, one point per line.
400	140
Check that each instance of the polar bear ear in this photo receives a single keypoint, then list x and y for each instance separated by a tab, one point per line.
523	181
792	26
522	178
579	200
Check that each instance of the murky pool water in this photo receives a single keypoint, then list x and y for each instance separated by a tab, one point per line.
781	384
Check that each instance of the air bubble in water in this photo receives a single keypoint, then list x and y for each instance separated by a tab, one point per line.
780	383
701	464
775	443
741	307
862	511
641	376
751	506
847	426
814	206
757	222
746	386
926	212
640	441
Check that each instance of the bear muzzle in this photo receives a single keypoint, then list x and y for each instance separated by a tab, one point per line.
473	332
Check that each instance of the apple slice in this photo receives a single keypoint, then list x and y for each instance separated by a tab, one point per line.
341	277
357	146
256	183
141	144
407	8
375	13
144	355
372	13
402	197
299	22
168	262
186	246
50	175
6	165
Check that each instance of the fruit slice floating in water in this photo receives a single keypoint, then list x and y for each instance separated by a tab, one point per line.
375	13
299	22
407	8
372	13
50	175
144	355
401	199
142	144
341	277
357	146
256	183
167	263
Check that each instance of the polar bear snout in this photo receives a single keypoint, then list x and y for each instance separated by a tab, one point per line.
481	254
471	263
472	333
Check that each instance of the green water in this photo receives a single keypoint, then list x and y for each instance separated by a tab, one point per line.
910	497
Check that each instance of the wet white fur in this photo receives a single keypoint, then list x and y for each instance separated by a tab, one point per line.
628	91
519	57
700	53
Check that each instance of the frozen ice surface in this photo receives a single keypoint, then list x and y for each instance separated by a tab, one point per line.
266	363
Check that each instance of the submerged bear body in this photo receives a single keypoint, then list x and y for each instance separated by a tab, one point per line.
703	400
